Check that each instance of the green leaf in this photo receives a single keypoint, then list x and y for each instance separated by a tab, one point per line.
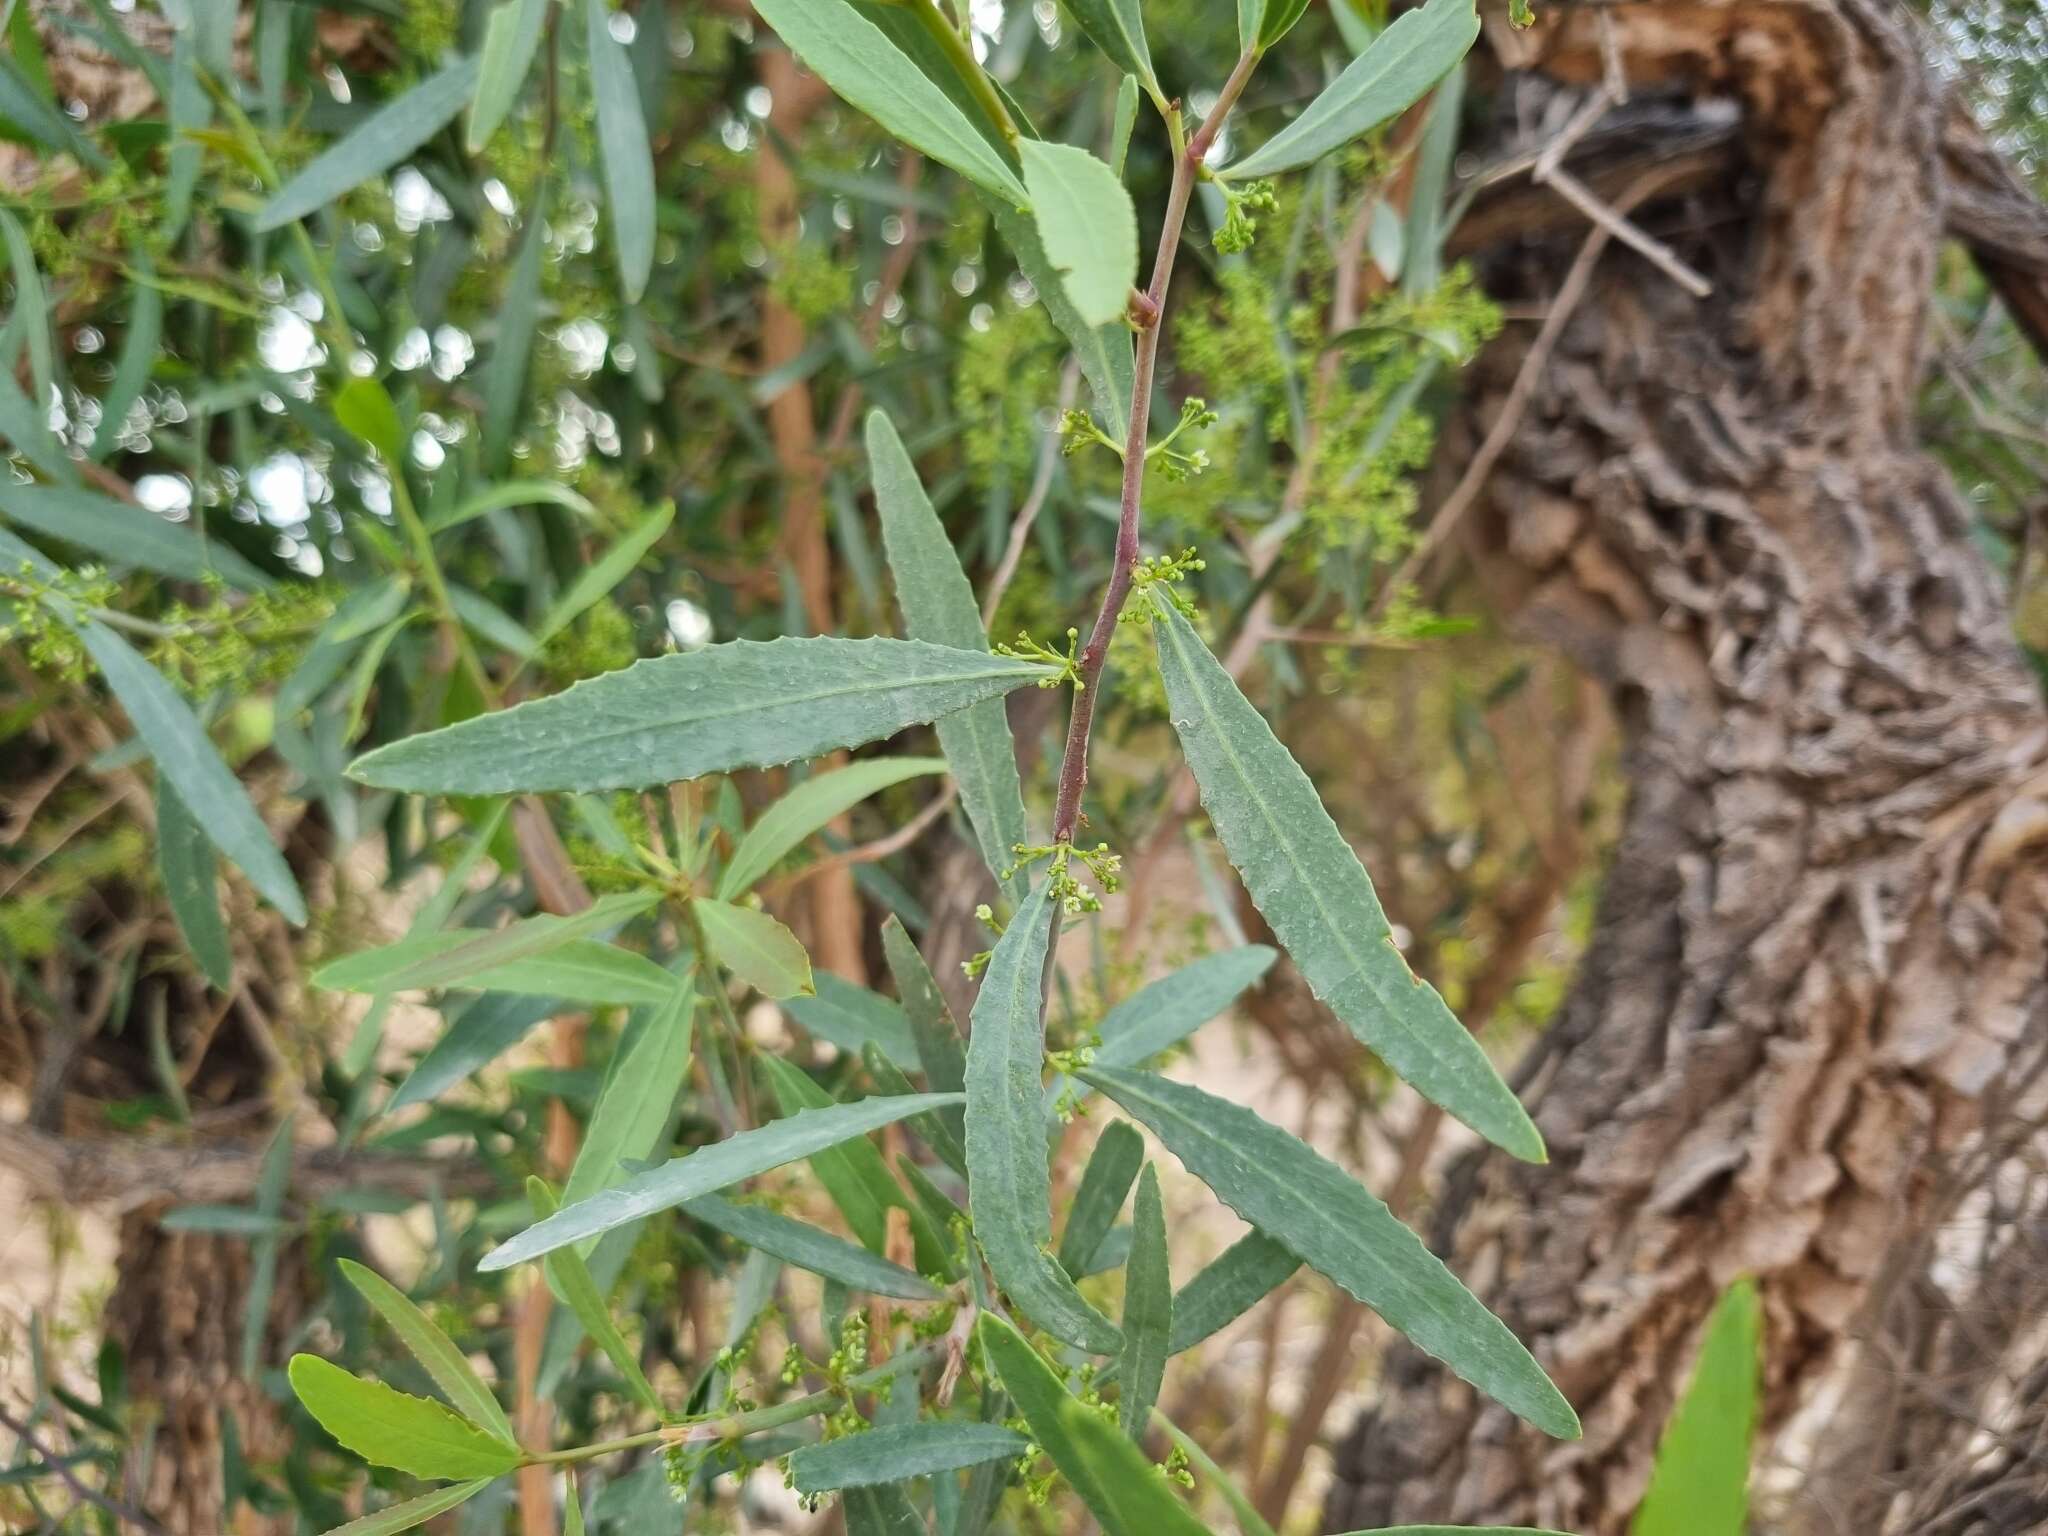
380	141
741	705
1126	119
1310	887
937	1134
1699	1485
451	1371
31	307
1455	1530
127	537
707	1170
1279	20
1404	61
857	60
1103	351
427	961
185	860
1137	1499
940	1049
1087	226
484	1031
811	1248
1148	1309
754	947
1251	16
186	757
598	578
1112	1166
504	374
622	140
1008	1183
389	1428
510	37
850	1017
570	1278
899	1451
26	110
513	493
809	806
1247	1272
139	352
882	1511
394	1518
365	408
225	1220
490	623
638	1094
580	971
1116	27
1302	1199
938	605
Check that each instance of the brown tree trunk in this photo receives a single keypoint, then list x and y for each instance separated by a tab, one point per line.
1822	938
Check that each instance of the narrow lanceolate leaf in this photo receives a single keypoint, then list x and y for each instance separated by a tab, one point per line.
851	1017
900	1451
1700	1483
451	1371
1112	1166
938	605
1148	1308
570	1278
1086	224
939	1046
1302	1199
742	705
504	373
1008	1181
1137	1499
481	1033
409	964
808	1247
185	860
380	141
857	60
708	1170
139	351
186	757
937	1134
754	947
809	807
389	1428
1246	1272
413	1513
580	971
1279	20
622	139
1116	27
633	1105
1040	1396
510	37
598	578
1311	888
1389	77
125	536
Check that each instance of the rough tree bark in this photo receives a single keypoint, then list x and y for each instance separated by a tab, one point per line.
1822	937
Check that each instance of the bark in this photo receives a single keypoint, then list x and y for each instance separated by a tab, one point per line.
1821	939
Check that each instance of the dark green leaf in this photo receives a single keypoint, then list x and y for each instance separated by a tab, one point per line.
569	1277
809	1247
504	380
1008	1182
185	860
808	807
937	1133
605	572
484	1031
389	1428
139	351
1311	888
1148	1308
1279	20
1304	1200
939	1046
127	537
1112	1166
850	1016
741	705
1043	1399
380	141
1117	28
1247	1272
450	1369
1699	1485
1137	1499
622	139
901	1451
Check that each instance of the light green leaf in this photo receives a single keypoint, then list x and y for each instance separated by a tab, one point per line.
1148	1309
1009	1185
504	373
1279	20
186	757
1247	1272
380	141
754	947
569	1276
447	959
185	860
857	60
1251	16
899	1451
741	705
622	139
434	1350
484	1031
1105	1182
605	572
394	1518
1137	1499
808	807
1126	119
1311	888
1117	28
580	971
127	537
808	1247
850	1016
938	605
707	1170
364	407
1103	351
1087	226
490	623
513	493
1699	1485
638	1094
1302	1199
510	37
389	1428
1404	61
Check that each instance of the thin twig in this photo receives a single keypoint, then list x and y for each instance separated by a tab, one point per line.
126	1513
